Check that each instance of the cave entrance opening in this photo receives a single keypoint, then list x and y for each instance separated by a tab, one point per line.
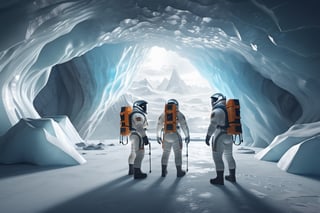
163	75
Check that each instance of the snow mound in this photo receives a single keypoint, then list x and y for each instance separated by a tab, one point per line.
45	142
302	158
296	150
282	143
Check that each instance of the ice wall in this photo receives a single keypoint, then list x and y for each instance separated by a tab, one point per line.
86	86
264	53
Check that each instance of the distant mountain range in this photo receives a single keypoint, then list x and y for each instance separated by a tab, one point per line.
174	87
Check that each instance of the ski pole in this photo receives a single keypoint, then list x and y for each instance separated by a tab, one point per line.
149	157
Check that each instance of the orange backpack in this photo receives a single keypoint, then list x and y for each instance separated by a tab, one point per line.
125	124
233	119
170	118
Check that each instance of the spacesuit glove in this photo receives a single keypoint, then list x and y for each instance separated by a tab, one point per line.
187	139
159	140
145	140
208	140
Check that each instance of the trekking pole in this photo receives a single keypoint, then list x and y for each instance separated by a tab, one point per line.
149	157
187	156
120	139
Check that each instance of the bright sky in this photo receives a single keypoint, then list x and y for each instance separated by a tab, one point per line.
161	62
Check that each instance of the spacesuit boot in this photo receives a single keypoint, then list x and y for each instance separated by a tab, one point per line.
138	174
232	176
131	171
180	172
218	180
164	171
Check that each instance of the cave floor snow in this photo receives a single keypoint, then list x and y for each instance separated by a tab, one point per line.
102	185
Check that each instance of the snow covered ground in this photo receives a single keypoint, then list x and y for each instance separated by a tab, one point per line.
102	185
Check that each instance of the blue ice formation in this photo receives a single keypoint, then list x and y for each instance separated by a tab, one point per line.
44	142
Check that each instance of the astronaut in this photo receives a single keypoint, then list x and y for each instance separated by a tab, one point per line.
138	138
172	137
221	142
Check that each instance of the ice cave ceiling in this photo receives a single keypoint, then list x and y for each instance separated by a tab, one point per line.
264	52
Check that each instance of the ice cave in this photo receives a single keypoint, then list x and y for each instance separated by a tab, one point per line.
66	67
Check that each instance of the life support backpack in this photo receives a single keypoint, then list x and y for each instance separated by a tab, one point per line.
170	118
233	119
125	123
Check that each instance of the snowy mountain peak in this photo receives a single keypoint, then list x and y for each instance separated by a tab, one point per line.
175	83
142	83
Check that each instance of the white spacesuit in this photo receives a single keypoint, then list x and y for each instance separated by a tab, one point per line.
138	138
221	142
172	140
